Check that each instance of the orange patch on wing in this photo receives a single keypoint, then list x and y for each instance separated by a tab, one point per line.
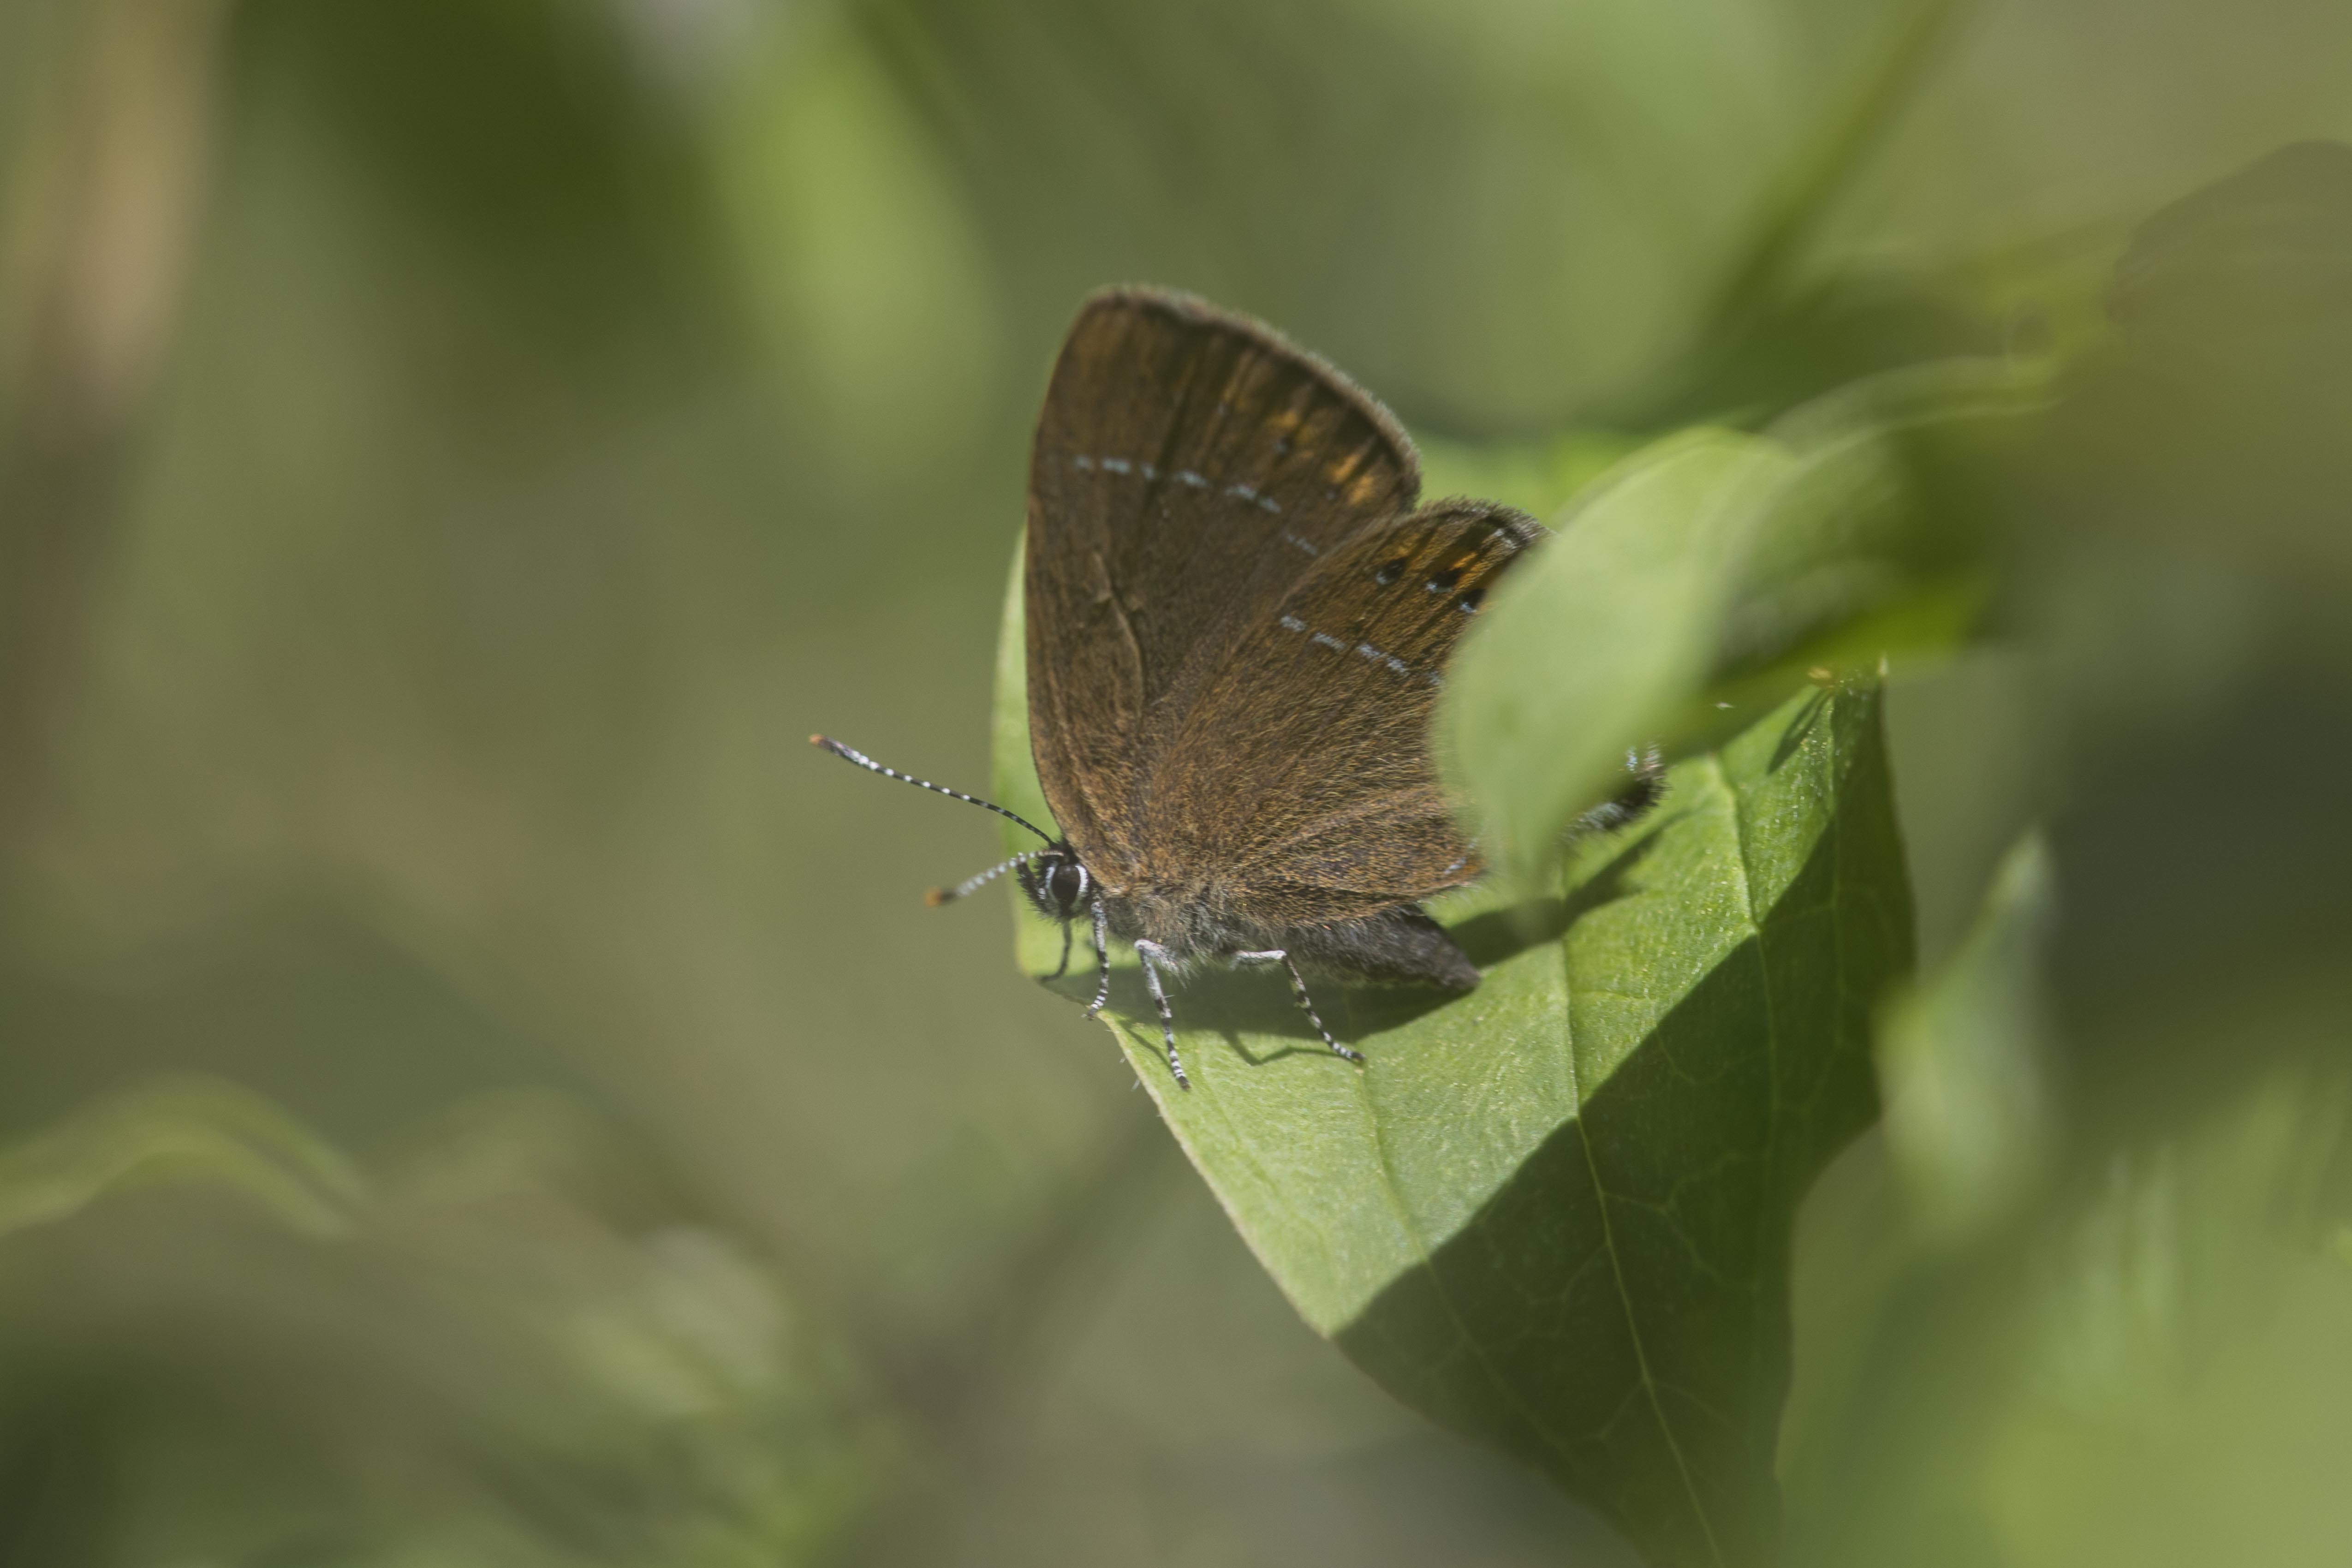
1341	471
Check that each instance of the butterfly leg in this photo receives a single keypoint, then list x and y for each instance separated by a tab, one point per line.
1064	967
1298	989
1648	786
1149	952
1102	958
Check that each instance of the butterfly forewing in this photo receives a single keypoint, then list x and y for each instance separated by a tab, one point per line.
1191	470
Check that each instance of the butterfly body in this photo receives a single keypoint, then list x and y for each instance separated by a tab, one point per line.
1201	919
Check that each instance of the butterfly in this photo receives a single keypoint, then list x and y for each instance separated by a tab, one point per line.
1239	618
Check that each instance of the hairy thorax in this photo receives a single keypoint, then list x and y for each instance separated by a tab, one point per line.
1191	919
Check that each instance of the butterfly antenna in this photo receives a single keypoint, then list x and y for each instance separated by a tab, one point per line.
939	896
849	755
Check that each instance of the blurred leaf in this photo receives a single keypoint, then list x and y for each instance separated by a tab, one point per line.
1553	1215
1876	540
1850	129
1709	575
1537	477
1583	647
2179	1394
2147	1370
2269	247
509	1341
523	129
2119	1337
191	1130
1967	1120
2193	488
856	256
1774	335
1607	153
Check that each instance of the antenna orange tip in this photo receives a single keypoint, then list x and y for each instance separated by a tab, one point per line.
937	897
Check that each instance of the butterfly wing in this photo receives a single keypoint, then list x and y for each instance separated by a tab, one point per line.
1303	770
1191	471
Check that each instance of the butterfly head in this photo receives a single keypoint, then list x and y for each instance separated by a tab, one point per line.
1057	882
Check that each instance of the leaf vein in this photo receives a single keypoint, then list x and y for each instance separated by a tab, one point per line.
1648	1384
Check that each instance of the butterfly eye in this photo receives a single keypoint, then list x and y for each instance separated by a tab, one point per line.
1390	573
1443	582
1468	603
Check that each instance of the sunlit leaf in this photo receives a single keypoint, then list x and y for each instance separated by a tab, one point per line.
1553	1215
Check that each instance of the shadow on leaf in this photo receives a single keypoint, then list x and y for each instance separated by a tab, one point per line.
1615	1314
1215	999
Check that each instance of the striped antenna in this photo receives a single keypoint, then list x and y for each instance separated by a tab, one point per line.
939	896
847	755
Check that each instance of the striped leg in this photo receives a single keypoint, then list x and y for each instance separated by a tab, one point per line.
1148	951
1102	958
1298	989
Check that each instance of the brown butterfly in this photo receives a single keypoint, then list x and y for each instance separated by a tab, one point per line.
1238	625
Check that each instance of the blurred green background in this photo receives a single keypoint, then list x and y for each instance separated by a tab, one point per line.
480	1090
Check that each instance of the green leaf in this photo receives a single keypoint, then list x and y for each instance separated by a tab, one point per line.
1711	576
1605	628
1554	1214
2145	1366
1970	1123
1873	540
1013	771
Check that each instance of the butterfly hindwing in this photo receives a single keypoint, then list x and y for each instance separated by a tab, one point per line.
1304	764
